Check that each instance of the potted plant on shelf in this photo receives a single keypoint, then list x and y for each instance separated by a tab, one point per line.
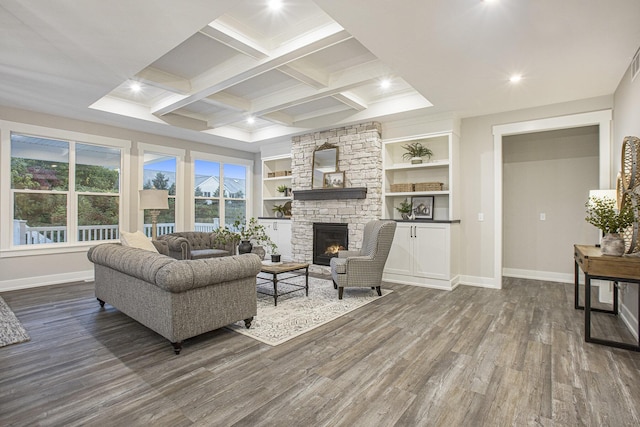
279	210
405	209
282	189
602	212
415	152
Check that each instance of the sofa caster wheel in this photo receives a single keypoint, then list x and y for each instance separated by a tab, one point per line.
101	302
177	346
247	322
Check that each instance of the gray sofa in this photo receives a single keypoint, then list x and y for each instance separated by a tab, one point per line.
176	299
196	245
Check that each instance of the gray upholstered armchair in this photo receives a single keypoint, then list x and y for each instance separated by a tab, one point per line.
196	245
363	268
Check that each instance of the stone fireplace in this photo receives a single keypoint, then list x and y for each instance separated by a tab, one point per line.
360	158
328	239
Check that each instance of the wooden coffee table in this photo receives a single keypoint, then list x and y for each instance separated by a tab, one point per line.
291	269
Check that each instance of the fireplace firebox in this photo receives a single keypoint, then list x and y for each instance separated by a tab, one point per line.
328	239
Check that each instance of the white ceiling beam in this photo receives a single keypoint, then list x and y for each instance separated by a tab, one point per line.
228	101
278	118
306	74
234	40
163	80
213	82
351	100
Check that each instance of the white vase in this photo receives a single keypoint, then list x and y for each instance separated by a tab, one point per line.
612	244
416	160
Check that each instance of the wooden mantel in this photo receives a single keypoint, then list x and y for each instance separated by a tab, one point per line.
331	193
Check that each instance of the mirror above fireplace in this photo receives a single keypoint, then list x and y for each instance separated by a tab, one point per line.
325	159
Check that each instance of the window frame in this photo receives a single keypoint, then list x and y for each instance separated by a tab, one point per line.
7	248
222	160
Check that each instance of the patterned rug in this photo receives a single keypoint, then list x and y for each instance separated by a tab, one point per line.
11	330
297	314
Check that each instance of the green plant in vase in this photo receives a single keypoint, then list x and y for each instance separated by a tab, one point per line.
415	152
405	209
279	210
282	189
602	212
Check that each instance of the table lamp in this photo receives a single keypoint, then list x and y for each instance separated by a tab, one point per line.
154	200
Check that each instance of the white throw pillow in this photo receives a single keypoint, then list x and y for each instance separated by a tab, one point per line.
137	240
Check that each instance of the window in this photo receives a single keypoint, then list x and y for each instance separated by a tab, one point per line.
220	192
159	172
63	191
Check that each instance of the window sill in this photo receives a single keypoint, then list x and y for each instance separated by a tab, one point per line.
30	250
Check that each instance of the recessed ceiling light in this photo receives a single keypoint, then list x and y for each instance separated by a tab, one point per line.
385	83
275	4
251	120
135	87
515	78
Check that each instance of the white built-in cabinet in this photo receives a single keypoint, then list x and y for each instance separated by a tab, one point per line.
422	253
276	171
279	230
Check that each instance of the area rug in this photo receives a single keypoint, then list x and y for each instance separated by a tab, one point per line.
297	314
11	330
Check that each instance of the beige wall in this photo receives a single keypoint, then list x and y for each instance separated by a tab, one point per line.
547	173
25	271
477	181
627	123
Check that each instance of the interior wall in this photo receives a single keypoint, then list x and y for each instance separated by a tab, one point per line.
477	187
546	181
44	269
627	123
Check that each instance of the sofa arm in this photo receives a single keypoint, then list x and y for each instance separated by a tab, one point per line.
179	247
185	275
161	246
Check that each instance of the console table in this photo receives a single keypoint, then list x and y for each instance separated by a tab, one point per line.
603	267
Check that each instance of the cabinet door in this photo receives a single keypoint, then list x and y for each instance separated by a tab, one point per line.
431	251
283	241
400	258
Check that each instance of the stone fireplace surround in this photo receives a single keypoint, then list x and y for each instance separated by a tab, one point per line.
360	157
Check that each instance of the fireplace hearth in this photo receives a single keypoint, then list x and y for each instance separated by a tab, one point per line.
328	239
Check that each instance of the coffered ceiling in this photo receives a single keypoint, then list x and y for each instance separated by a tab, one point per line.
236	73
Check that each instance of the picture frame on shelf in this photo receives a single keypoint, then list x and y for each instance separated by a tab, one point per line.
422	207
333	180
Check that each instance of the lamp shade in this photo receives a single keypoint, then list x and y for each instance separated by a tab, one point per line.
154	199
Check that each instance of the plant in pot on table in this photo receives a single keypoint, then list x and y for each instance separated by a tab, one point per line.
603	213
415	152
252	233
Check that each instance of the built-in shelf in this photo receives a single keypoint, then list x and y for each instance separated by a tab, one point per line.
331	193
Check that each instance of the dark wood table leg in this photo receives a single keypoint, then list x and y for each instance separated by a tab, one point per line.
275	289
576	297
587	308
306	280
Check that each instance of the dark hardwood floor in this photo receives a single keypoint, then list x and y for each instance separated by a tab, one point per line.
418	357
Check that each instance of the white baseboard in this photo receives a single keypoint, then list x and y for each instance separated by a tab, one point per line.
53	279
549	276
481	282
630	320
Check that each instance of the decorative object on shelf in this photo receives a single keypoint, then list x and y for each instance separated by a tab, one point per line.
279	210
333	180
283	189
402	188
154	200
287	208
602	212
415	152
627	188
427	186
422	207
405	209
325	159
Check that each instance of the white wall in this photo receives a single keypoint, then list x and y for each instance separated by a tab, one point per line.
477	182
44	269
547	173
626	122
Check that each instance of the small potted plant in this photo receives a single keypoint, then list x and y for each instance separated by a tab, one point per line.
279	210
602	212
415	152
282	189
405	209
273	249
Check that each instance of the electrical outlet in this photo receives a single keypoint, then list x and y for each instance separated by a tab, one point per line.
543	216
480	216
